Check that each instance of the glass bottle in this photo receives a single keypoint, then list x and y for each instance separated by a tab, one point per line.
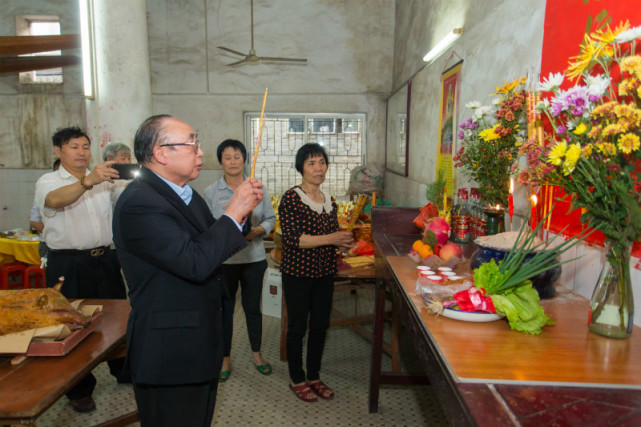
463	217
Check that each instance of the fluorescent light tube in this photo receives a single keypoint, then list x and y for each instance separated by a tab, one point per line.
442	46
87	46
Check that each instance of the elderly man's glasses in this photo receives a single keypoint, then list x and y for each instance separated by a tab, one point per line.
195	145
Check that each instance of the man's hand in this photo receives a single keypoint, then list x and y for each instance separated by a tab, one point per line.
102	172
246	197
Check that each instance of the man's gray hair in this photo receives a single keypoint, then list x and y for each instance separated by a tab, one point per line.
112	149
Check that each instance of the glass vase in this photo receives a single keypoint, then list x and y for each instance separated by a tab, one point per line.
612	304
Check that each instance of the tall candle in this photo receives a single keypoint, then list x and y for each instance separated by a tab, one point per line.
510	202
374	198
533	214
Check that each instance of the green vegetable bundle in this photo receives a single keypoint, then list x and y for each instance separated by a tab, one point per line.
507	282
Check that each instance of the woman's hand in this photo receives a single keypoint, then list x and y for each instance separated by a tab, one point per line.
342	239
254	233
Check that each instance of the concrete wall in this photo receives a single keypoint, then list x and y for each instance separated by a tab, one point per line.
349	47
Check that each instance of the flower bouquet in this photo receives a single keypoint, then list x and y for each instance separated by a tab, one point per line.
593	153
490	141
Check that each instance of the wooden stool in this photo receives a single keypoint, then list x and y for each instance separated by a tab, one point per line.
39	277
12	270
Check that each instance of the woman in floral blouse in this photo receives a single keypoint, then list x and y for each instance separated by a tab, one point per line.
309	223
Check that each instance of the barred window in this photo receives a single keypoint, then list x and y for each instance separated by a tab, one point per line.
342	136
39	25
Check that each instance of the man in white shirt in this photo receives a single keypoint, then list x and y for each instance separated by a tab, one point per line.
76	206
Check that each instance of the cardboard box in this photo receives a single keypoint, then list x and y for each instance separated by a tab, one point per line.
272	293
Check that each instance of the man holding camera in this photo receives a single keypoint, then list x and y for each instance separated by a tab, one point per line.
76	207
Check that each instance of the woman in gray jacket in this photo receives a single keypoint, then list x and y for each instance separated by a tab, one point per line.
248	266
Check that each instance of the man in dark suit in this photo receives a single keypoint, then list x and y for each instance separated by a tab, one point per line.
171	250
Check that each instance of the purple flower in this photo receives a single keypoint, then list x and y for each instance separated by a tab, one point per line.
560	130
574	99
460	134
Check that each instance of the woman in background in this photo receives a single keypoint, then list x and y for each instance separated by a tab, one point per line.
309	222
247	266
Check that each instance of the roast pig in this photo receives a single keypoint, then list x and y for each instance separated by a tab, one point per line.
23	309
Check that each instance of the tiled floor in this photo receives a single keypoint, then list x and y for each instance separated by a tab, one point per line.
249	398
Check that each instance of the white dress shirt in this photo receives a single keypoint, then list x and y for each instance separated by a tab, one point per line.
83	224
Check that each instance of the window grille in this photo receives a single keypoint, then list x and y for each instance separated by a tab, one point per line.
342	136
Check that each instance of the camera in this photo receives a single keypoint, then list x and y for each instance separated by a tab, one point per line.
126	170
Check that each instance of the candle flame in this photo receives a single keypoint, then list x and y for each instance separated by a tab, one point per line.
511	185
498	207
534	200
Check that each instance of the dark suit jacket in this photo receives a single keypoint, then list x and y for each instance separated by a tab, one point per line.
171	255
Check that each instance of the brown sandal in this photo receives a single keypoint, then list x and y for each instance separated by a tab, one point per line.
322	390
303	392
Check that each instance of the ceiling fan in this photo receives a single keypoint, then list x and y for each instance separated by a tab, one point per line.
252	57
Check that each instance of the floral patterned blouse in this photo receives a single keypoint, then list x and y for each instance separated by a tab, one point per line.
301	215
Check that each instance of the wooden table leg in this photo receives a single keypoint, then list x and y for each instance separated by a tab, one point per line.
396	326
377	348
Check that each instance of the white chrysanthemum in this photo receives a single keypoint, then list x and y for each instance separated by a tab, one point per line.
552	83
483	111
473	105
628	35
543	105
497	100
597	85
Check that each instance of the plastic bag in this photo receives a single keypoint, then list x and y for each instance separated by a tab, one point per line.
428	211
366	179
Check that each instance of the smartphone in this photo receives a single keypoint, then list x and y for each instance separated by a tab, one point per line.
126	170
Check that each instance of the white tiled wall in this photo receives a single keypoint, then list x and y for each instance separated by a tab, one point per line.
17	188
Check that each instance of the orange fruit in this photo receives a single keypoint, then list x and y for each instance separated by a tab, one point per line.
425	251
417	245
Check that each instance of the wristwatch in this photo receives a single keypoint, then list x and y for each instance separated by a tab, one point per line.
83	185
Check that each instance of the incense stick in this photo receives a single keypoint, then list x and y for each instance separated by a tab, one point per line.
260	134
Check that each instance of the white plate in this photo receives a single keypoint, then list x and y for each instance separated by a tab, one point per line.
470	316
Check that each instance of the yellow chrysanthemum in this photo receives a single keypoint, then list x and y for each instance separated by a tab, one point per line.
587	150
606	36
606	148
595	131
579	63
628	143
580	129
571	157
509	86
604	109
557	153
612	129
632	64
489	134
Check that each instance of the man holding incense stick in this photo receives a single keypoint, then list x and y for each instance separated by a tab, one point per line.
171	250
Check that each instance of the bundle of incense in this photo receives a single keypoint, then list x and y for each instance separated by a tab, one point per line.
358	208
260	135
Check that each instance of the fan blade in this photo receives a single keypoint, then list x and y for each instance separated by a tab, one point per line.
231	50
237	63
270	58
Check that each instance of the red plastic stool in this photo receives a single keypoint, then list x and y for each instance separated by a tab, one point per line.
12	270
38	279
